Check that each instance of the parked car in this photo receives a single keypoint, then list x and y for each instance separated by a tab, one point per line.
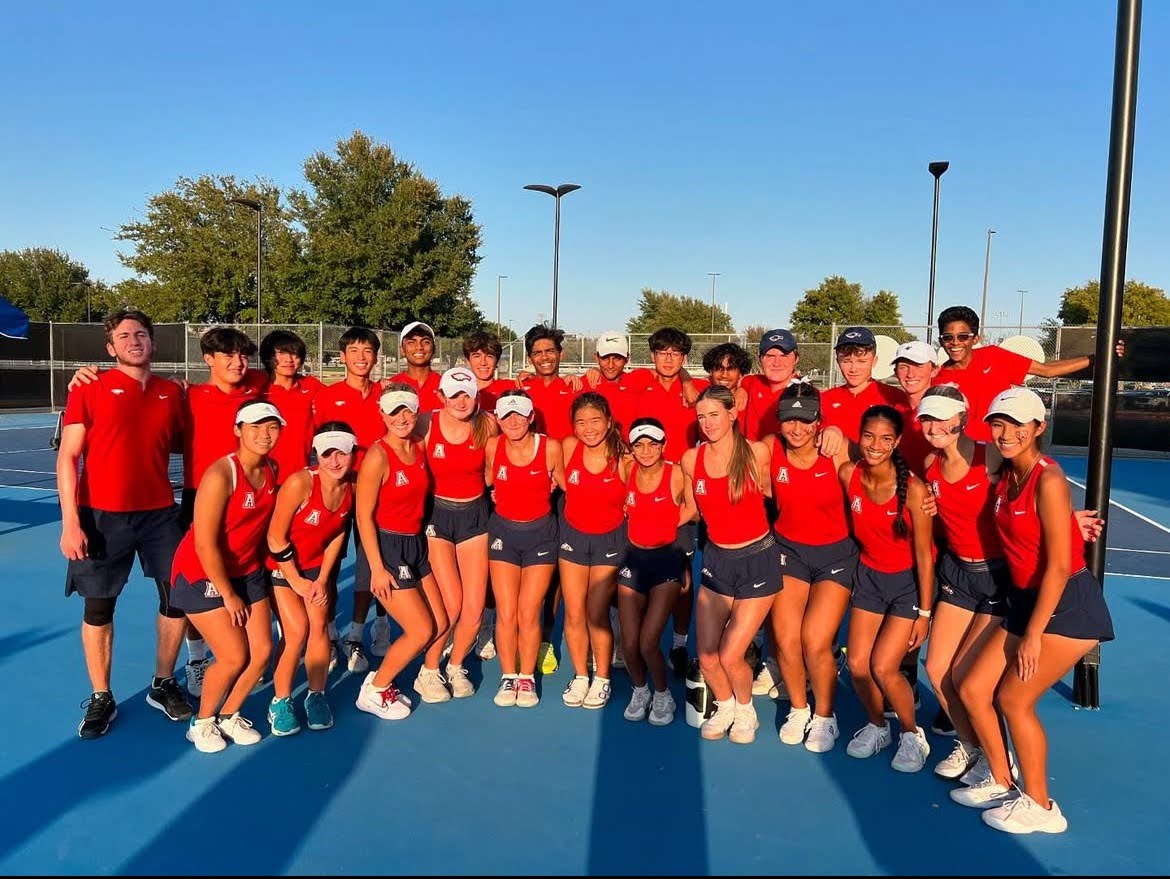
1154	399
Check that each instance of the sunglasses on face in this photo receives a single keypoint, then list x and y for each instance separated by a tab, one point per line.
946	338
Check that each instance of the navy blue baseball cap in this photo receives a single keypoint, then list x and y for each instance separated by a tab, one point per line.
781	339
856	336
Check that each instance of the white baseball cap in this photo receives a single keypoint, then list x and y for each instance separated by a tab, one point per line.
413	328
392	401
458	380
517	403
916	352
341	440
1018	403
940	407
613	342
258	411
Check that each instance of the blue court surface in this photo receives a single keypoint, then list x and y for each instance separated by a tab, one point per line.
467	787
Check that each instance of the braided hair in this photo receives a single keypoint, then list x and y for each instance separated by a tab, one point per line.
901	468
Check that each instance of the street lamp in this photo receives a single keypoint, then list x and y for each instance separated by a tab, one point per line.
937	169
556	193
713	275
986	267
258	207
499	278
1022	293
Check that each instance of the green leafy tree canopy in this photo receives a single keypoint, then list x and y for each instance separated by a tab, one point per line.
49	285
839	301
1141	306
658	308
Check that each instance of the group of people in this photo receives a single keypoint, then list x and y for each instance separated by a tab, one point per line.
924	512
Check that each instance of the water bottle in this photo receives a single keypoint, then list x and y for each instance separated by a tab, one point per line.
700	702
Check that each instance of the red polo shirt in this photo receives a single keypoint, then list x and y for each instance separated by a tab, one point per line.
842	408
989	371
552	403
130	431
488	395
428	391
209	433
759	418
342	402
296	437
666	404
622	396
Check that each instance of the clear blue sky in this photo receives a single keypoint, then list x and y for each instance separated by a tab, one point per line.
776	143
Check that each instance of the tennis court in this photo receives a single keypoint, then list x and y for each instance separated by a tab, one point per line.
466	787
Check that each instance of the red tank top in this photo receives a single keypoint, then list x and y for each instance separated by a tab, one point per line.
966	508
653	515
728	524
873	528
245	527
1018	525
594	502
402	499
314	525
522	491
457	468
811	502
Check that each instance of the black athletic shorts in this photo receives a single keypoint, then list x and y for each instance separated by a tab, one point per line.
751	571
1081	612
276	578
404	556
523	543
202	596
979	587
457	521
583	548
114	540
643	569
811	563
888	594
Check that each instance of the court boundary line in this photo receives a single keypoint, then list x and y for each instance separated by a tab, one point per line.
1136	576
1122	506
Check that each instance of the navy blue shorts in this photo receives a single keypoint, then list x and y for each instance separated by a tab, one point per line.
522	543
888	594
276	578
201	596
404	556
810	563
1081	612
114	540
751	571
457	521
687	538
582	548
643	569
978	587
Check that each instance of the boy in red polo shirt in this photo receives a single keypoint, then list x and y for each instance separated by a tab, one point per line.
619	387
552	396
482	351
417	344
779	356
121	504
842	406
282	354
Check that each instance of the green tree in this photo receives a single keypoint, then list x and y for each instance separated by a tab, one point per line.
383	244
658	309
195	253
752	336
839	301
49	285
1141	305
882	312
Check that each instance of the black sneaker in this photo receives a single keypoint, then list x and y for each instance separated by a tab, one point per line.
100	711
678	661
170	700
941	725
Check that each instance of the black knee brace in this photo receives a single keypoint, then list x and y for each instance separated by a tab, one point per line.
99	611
164	601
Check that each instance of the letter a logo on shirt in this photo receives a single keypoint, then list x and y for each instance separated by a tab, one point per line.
210	591
502	474
575	477
400	478
700	486
630	499
934	487
314	518
856	505
782	475
250	500
404	573
439	451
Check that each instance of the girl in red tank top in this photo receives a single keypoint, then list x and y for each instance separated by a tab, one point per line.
741	572
305	540
218	576
521	468
592	543
1056	614
651	576
894	590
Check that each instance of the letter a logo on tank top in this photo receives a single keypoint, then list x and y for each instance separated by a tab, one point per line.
502	474
700	486
250	500
856	505
575	477
439	451
314	518
630	499
782	475
400	478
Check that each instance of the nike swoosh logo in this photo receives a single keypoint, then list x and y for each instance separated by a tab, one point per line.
891	512
987	370
836	570
608	480
758	585
164	396
535	472
657	499
972	487
543	553
339	402
836	405
1020	512
819	475
610	555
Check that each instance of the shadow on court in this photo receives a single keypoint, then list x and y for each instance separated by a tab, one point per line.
1158	609
18	515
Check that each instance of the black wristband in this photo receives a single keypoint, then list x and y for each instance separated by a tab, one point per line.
284	555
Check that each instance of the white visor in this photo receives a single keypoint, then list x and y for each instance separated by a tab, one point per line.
647	431
513	403
256	412
334	439
940	407
392	401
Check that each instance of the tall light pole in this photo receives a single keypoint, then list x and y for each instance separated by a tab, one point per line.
499	280
713	275
258	207
1022	293
986	268
556	193
937	169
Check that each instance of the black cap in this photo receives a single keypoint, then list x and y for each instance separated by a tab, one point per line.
781	339
856	336
799	408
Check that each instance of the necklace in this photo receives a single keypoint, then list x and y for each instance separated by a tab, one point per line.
1018	481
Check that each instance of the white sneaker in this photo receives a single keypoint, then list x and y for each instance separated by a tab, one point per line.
526	696
448	647
506	695
795	725
355	657
238	729
743	729
205	735
332	655
868	740
431	685
988	794
598	695
717	725
387	703
982	770
195	671
961	758
662	709
639	704
575	691
1025	815
485	643
913	749
380	636
461	687
822	734
766	679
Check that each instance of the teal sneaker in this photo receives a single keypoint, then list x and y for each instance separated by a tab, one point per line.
317	711
282	717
